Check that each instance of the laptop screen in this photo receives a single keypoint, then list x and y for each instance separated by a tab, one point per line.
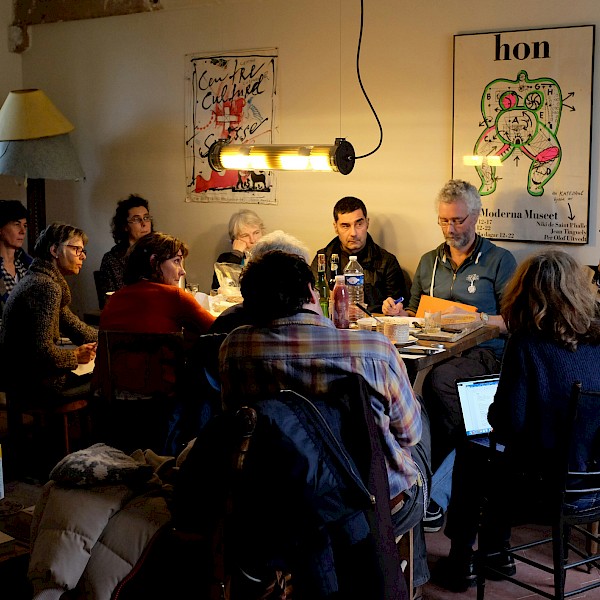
475	395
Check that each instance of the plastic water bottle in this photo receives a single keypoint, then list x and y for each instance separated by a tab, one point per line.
355	281
340	303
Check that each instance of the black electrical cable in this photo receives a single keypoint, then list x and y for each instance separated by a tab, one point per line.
362	86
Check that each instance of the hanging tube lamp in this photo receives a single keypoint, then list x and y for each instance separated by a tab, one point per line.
271	157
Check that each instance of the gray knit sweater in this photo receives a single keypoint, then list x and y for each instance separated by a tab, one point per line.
36	315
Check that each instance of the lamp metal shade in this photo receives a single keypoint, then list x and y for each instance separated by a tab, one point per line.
46	158
29	115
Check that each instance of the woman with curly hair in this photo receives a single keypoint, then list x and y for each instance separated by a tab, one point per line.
132	220
550	310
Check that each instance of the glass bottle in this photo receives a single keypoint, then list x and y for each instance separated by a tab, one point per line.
340	303
334	266
322	285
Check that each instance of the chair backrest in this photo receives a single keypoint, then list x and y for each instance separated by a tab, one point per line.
130	364
582	457
305	496
137	378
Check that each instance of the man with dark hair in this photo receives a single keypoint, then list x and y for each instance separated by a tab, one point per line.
292	346
383	275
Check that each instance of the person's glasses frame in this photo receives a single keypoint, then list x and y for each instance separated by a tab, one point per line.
454	222
138	220
79	250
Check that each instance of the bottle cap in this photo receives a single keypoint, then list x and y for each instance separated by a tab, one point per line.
353	258
340	279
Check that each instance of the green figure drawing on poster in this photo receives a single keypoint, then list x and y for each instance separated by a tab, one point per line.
522	115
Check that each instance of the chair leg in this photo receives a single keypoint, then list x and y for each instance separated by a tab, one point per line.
66	433
406	550
479	565
560	539
591	545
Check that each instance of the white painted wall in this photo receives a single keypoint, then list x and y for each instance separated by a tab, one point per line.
10	79
120	80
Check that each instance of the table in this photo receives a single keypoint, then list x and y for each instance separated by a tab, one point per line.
419	368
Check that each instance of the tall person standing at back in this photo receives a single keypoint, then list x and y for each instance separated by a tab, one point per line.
383	276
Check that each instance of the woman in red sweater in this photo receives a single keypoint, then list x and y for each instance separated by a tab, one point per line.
151	300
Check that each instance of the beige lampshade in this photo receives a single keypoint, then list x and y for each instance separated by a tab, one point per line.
30	115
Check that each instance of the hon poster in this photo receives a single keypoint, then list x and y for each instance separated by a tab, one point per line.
522	130
229	95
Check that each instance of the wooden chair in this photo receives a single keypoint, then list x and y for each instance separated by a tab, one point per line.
582	430
137	379
41	433
66	411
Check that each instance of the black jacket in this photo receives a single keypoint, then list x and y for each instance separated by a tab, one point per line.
383	275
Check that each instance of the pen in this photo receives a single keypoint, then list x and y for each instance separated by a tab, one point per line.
401	299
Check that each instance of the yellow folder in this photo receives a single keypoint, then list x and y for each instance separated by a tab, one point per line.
433	304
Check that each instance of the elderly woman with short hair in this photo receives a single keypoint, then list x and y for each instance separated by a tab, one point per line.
37	314
245	229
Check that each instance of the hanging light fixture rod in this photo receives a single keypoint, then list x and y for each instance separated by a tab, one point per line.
339	158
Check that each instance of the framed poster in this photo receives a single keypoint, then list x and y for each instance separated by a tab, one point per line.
522	130
229	96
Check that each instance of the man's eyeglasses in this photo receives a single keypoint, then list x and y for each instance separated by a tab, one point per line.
455	222
79	250
138	220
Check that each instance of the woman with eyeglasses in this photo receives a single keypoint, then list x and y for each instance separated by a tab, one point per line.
131	221
37	314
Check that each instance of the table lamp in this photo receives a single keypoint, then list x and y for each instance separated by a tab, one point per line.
35	144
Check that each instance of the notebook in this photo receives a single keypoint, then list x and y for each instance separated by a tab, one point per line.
475	395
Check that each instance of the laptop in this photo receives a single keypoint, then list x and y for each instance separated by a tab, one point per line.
475	395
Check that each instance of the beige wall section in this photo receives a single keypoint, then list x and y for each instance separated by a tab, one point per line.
121	82
10	79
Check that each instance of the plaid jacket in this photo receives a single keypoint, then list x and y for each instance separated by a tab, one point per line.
306	353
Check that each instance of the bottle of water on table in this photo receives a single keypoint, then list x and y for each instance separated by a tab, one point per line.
355	281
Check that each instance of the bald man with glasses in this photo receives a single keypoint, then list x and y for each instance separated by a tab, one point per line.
465	268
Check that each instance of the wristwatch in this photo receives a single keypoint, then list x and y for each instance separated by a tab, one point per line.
484	317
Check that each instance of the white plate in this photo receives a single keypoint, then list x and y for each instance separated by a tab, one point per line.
366	322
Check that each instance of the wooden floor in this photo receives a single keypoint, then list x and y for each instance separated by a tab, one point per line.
438	545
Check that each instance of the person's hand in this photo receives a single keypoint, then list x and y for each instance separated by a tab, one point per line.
239	245
85	353
390	308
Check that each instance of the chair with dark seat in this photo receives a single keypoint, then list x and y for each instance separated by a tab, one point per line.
578	477
137	381
311	500
42	428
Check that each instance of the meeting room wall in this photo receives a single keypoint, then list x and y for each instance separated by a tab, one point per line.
120	80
